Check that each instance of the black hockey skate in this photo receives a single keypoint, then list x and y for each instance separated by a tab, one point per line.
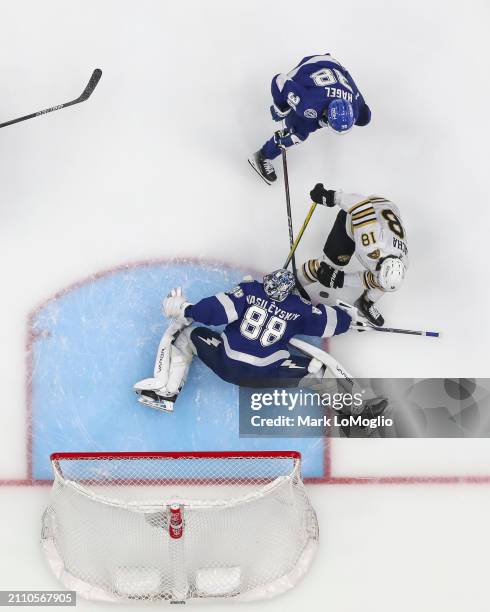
371	409
263	167
153	400
374	407
368	309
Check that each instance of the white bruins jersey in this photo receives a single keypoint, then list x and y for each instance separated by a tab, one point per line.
375	225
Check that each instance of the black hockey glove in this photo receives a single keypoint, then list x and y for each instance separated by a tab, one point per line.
280	136
320	195
278	114
330	277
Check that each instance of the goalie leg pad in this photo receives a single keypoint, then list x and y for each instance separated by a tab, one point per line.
162	360
151	393
181	353
315	366
148	384
174	357
183	342
330	363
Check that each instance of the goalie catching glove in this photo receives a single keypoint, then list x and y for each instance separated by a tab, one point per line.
174	306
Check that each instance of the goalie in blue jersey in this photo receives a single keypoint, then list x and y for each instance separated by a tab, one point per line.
318	92
260	318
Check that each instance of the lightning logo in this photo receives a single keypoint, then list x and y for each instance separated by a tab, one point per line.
290	364
210	341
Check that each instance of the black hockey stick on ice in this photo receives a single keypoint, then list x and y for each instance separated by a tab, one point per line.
87	92
363	326
292	248
292	259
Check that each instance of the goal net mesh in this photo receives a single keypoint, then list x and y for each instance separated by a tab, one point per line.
247	528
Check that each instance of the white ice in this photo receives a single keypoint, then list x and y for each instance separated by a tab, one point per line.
155	166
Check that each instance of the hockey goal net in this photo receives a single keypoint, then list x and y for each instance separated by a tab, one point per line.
179	526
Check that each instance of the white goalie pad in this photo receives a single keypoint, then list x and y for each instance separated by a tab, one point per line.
345	380
317	354
162	400
162	361
181	354
174	358
148	384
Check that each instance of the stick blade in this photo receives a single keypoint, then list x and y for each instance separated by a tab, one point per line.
92	84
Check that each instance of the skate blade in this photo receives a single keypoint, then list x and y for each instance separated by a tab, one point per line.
163	406
252	164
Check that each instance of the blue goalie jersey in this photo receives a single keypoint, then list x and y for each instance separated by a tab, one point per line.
310	87
258	329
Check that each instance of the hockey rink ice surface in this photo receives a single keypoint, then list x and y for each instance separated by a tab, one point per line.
107	205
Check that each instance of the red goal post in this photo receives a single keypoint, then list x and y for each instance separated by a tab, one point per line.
204	459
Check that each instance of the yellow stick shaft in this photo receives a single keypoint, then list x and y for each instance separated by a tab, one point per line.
300	234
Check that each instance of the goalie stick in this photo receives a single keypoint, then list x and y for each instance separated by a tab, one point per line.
87	92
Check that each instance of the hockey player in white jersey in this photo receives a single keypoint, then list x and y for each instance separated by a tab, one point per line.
371	228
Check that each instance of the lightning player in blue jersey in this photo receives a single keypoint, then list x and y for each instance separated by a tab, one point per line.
260	319
318	92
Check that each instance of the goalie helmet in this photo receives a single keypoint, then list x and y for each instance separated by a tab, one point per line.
279	284
391	273
340	116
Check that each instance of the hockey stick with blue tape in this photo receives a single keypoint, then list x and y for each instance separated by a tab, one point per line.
363	326
85	95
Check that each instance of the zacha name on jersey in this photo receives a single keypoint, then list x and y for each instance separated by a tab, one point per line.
400	245
272	308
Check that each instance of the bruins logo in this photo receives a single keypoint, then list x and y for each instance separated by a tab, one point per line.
374	254
343	259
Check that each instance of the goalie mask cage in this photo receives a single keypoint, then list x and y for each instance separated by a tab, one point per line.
179	526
